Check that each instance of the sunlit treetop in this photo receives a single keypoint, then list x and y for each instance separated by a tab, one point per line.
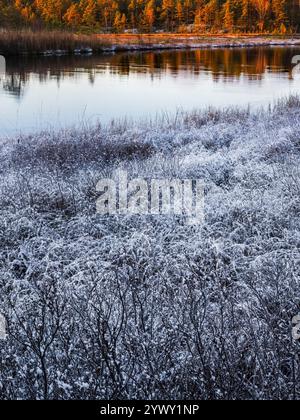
278	16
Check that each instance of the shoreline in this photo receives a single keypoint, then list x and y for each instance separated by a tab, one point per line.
60	43
169	47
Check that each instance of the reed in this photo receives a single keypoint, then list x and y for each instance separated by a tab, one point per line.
36	42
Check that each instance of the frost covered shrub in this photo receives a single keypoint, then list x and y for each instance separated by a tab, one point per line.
149	307
72	148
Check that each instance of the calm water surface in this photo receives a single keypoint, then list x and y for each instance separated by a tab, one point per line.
54	92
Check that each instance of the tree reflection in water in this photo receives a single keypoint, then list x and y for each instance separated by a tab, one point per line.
222	64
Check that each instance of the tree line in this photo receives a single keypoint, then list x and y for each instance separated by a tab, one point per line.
241	16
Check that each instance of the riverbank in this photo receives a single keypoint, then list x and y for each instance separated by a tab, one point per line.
60	43
148	307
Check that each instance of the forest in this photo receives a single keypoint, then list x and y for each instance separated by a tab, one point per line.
117	16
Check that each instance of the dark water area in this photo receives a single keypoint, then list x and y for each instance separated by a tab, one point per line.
38	93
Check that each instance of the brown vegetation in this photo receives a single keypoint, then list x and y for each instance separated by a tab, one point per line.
30	41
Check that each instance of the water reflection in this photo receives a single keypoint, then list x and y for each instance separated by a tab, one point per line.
39	93
222	64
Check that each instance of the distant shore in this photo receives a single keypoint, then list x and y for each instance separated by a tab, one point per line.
65	43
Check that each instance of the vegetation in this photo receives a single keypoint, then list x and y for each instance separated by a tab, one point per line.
127	307
49	42
243	16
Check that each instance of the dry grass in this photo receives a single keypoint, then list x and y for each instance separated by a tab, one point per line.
183	37
28	41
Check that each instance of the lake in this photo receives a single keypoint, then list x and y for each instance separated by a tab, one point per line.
38	93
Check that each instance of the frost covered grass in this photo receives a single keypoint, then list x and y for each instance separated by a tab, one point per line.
147	307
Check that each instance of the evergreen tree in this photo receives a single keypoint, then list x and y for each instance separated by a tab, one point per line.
89	8
278	7
245	18
228	16
262	8
212	15
179	12
72	16
119	22
149	15
200	20
169	15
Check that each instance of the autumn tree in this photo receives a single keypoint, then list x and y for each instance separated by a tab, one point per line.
73	16
211	14
25	8
200	18
120	22
132	11
179	12
245	15
167	13
262	8
228	16
52	11
89	8
278	8
189	11
108	10
149	15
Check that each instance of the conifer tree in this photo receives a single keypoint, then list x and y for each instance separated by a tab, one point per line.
119	22
168	15
89	8
228	16
278	8
262	8
179	12
149	15
72	16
